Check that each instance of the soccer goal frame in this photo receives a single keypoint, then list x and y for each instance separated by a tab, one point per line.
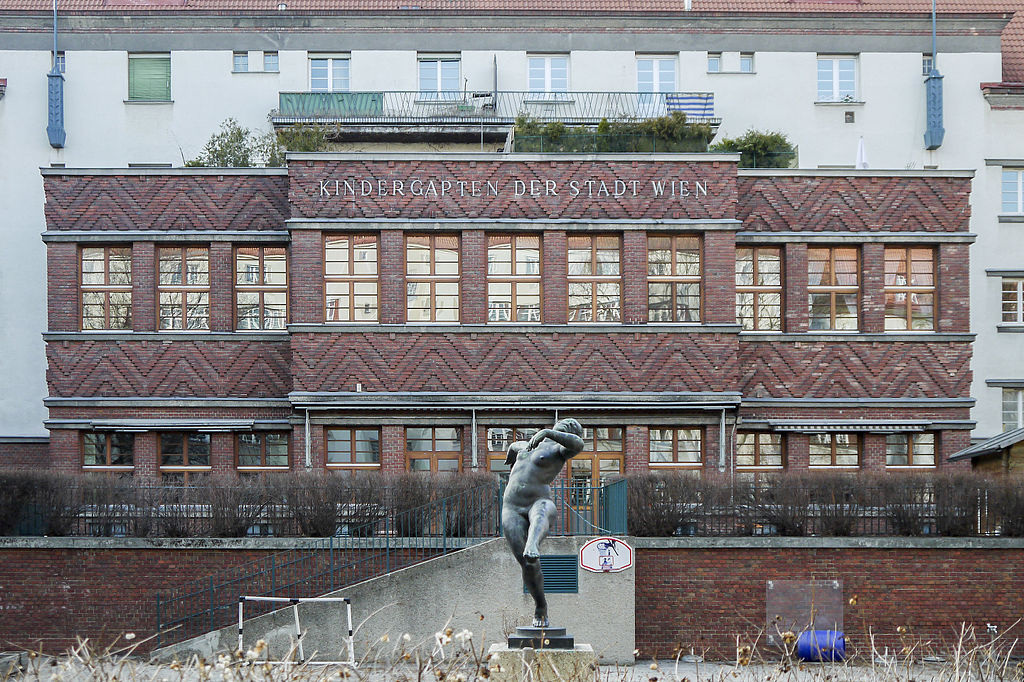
294	602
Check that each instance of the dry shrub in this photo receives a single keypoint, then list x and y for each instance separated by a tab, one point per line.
782	502
57	502
663	504
904	500
16	488
957	499
1006	502
235	505
470	503
838	501
312	500
409	494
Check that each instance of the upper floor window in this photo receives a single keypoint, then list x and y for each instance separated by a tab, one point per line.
240	62
350	278
149	77
832	288
673	279
834	450
184	287
262	450
261	287
1013	300
60	61
270	61
754	450
927	63
327	74
513	278
837	78
433	448
183	455
1013	191
1013	408
746	62
498	440
594	279
432	278
353	448
548	74
759	288
108	449
655	74
676	447
106	287
714	62
909	289
440	76
910	449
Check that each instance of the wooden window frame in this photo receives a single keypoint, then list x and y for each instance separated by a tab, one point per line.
352	440
105	289
673	279
757	291
594	280
262	288
515	278
832	289
433	279
910	450
107	446
675	435
185	467
758	465
1011	309
591	454
856	438
352	279
183	289
909	290
432	454
499	455
263	466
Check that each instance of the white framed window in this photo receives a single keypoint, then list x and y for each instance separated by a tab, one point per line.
837	78
746	62
1013	408
328	73
548	74
1013	190
1013	300
60	62
714	62
270	62
240	62
440	76
655	74
926	64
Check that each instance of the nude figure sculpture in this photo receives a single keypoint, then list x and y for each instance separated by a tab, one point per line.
527	509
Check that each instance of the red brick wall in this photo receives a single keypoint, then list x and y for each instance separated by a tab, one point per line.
24	456
704	598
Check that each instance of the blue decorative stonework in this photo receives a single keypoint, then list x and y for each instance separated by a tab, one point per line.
55	109
934	131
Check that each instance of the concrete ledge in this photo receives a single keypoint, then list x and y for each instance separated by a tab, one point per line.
827	543
236	544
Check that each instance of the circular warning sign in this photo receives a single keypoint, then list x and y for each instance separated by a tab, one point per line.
606	555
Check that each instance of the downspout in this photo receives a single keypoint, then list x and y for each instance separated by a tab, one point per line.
309	447
55	96
473	439
934	130
721	443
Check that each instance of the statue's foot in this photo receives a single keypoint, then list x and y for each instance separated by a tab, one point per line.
531	554
540	622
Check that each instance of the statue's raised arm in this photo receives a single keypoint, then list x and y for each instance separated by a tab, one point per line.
572	444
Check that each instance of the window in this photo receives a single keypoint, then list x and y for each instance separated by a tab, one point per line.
513	278
498	440
655	76
837	79
714	62
262	450
108	450
1013	408
594	279
759	288
602	457
149	77
432	282
183	455
910	449
60	62
1013	301
746	62
433	448
909	289
548	74
927	63
758	450
676	447
184	288
270	61
832	289
353	448
834	450
326	74
106	279
1013	191
240	62
261	287
673	279
440	77
350	278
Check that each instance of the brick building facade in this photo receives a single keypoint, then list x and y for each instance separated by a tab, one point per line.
385	312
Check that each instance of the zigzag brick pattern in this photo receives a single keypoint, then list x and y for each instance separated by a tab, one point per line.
309	200
251	369
175	202
836	204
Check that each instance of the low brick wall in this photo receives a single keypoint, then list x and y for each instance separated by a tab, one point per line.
24	454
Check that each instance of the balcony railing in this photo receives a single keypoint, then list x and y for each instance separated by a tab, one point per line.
486	108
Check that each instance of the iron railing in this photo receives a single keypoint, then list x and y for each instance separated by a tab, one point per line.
486	107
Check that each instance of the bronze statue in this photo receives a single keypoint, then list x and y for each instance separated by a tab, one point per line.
527	509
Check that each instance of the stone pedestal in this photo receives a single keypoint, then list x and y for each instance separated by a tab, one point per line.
540	638
578	664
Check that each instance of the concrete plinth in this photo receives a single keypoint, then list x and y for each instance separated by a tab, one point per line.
578	664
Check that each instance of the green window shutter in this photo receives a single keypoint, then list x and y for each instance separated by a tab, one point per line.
149	79
561	573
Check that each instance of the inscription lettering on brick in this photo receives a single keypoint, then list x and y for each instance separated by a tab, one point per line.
665	188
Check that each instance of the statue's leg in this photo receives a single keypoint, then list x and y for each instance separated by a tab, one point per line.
541	514
516	528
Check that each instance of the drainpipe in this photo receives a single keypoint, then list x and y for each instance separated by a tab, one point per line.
473	440
721	443
309	447
55	96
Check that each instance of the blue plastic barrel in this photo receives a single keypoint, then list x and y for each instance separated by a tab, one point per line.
821	645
